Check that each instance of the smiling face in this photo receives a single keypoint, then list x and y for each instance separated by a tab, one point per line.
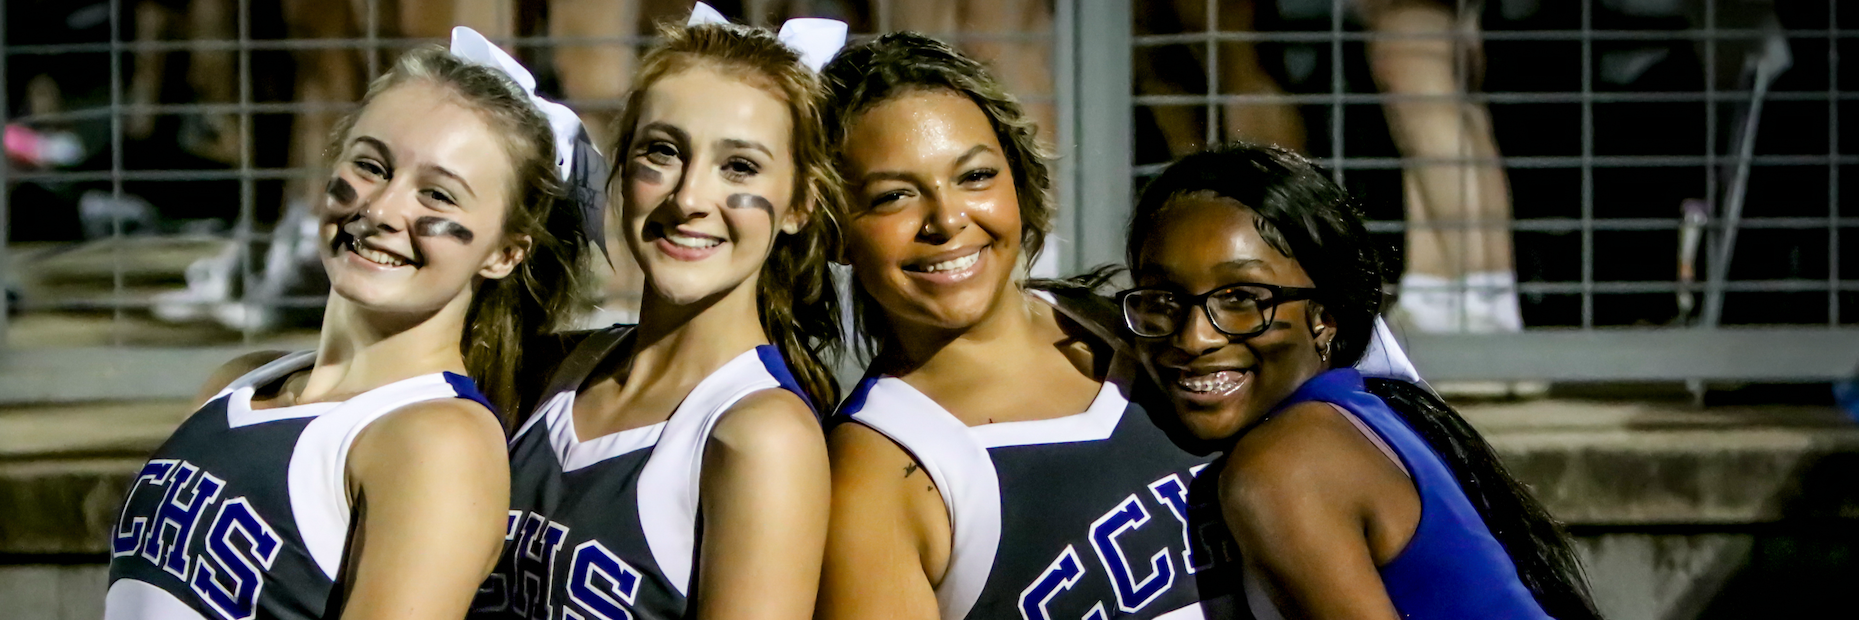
709	181
415	210
935	230
1221	385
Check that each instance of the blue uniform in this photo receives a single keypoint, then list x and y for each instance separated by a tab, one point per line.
608	527
1453	567
244	513
1083	516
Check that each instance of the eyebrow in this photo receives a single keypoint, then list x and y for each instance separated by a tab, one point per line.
676	132
972	152
1241	263
387	154
734	143
887	175
443	171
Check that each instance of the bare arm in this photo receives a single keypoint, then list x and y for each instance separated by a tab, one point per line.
231	371
764	494
1317	508
432	486
889	544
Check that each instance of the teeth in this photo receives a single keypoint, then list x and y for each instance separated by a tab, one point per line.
686	241
377	256
1223	381
954	264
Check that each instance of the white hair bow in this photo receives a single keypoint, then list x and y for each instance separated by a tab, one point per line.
582	168
1384	358
815	39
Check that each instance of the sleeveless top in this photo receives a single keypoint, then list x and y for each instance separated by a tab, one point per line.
245	513
1083	516
1452	567
609	527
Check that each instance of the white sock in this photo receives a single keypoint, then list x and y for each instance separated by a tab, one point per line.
1433	304
1491	303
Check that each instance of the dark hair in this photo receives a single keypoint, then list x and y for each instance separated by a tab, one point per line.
795	296
898	63
546	286
1308	218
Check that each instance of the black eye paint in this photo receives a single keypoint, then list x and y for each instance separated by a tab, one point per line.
340	190
430	226
648	174
750	201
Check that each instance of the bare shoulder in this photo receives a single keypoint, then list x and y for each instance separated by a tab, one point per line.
768	420
1297	457
232	370
440	432
854	446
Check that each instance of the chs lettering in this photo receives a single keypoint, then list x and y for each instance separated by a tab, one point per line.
226	567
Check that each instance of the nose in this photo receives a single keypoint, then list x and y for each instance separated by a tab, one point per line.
390	206
692	194
942	220
1197	335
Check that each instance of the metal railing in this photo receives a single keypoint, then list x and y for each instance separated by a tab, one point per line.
1587	319
1568	206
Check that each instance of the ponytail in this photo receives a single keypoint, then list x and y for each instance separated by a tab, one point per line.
799	310
1545	559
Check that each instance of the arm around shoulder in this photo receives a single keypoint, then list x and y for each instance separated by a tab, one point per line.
431	484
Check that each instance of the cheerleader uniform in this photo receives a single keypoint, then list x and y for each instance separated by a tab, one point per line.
244	513
609	527
1083	516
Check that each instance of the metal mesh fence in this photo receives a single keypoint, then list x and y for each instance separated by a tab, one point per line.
1660	163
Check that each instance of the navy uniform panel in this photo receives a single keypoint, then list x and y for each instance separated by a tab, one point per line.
209	521
575	544
608	527
1093	529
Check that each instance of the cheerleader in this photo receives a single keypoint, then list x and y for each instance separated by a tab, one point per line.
994	463
367	478
676	468
1256	290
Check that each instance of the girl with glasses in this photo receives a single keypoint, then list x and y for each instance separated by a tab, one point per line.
1256	291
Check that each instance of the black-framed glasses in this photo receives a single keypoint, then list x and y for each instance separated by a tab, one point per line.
1238	310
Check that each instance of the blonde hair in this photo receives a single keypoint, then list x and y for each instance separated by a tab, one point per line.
544	289
798	304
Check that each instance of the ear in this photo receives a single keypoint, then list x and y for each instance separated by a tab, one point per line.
1322	324
503	262
796	218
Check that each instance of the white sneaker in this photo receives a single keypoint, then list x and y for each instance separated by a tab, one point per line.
1432	304
209	283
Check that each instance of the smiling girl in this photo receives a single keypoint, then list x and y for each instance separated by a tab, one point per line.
1256	290
992	464
367	478
676	468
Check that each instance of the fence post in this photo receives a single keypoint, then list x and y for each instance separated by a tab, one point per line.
1098	147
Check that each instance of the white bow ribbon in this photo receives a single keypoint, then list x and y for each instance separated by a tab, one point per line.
580	164
815	39
1384	358
469	45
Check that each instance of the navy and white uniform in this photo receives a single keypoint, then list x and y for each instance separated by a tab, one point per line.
608	527
245	513
1083	516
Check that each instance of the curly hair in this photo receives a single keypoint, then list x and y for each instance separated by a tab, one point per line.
541	295
899	63
795	294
